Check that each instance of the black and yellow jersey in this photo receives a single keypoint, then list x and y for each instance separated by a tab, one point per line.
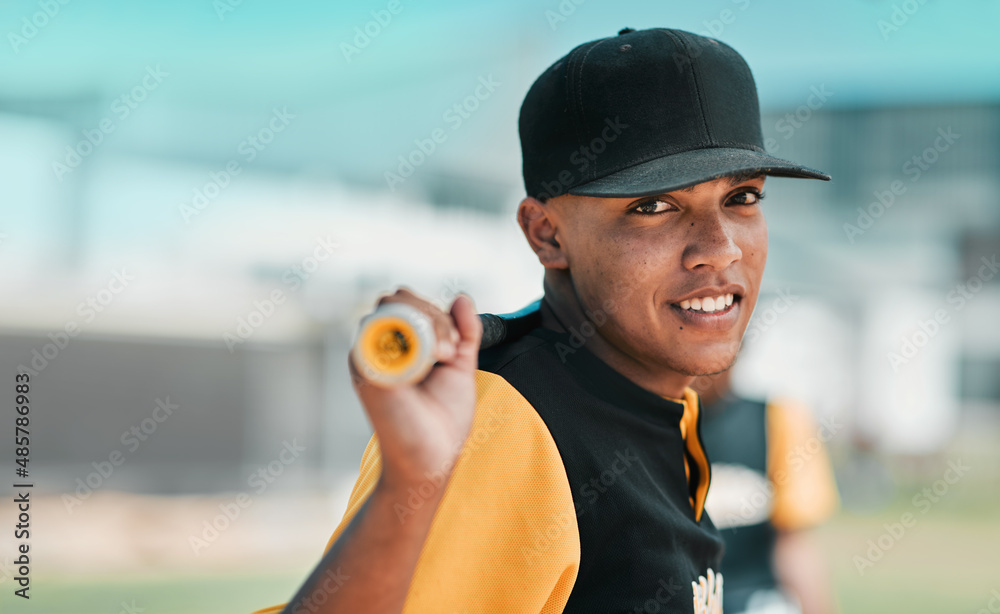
577	491
773	474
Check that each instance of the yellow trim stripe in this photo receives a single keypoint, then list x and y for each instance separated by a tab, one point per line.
689	426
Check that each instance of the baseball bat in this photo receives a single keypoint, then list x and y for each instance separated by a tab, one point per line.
395	343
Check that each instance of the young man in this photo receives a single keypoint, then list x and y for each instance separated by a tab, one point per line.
563	471
772	484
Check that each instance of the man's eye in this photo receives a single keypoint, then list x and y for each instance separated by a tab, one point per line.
747	198
651	207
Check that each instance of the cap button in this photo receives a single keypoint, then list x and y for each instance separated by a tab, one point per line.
625	31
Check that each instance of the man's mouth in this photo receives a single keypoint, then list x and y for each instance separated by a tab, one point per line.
709	313
708	304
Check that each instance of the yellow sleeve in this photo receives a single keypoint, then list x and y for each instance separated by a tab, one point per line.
504	537
805	492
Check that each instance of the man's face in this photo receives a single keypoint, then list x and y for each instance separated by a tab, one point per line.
649	257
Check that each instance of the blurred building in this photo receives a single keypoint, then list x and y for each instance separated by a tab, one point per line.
879	306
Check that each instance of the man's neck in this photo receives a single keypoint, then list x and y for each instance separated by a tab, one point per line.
561	309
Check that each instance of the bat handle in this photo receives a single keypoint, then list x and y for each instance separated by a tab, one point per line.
395	343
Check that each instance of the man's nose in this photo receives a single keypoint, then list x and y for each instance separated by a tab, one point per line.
711	243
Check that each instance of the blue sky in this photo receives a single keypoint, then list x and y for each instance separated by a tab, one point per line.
229	68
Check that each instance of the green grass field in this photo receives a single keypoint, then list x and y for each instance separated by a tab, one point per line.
940	565
216	594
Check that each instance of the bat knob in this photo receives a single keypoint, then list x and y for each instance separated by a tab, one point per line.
394	345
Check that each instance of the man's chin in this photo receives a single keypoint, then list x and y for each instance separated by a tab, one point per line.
709	365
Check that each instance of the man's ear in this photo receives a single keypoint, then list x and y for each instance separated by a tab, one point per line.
539	223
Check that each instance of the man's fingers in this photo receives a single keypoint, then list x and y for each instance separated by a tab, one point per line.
443	324
470	329
446	334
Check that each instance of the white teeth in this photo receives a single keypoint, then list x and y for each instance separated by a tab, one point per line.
708	304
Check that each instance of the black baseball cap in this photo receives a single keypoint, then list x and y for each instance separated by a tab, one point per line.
642	113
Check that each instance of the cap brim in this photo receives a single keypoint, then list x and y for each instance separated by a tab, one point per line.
689	168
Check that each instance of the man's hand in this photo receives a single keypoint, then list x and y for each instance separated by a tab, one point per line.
421	427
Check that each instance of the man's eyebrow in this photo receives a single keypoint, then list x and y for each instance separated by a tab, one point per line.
733	179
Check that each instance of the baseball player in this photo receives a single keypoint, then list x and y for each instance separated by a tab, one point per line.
772	483
563	469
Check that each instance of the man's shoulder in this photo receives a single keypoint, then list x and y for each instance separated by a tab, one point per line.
528	347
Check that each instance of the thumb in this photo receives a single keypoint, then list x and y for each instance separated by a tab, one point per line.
470	330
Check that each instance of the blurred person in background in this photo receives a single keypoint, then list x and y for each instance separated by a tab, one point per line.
772	484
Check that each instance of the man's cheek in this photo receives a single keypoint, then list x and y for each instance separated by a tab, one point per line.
747	304
755	244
